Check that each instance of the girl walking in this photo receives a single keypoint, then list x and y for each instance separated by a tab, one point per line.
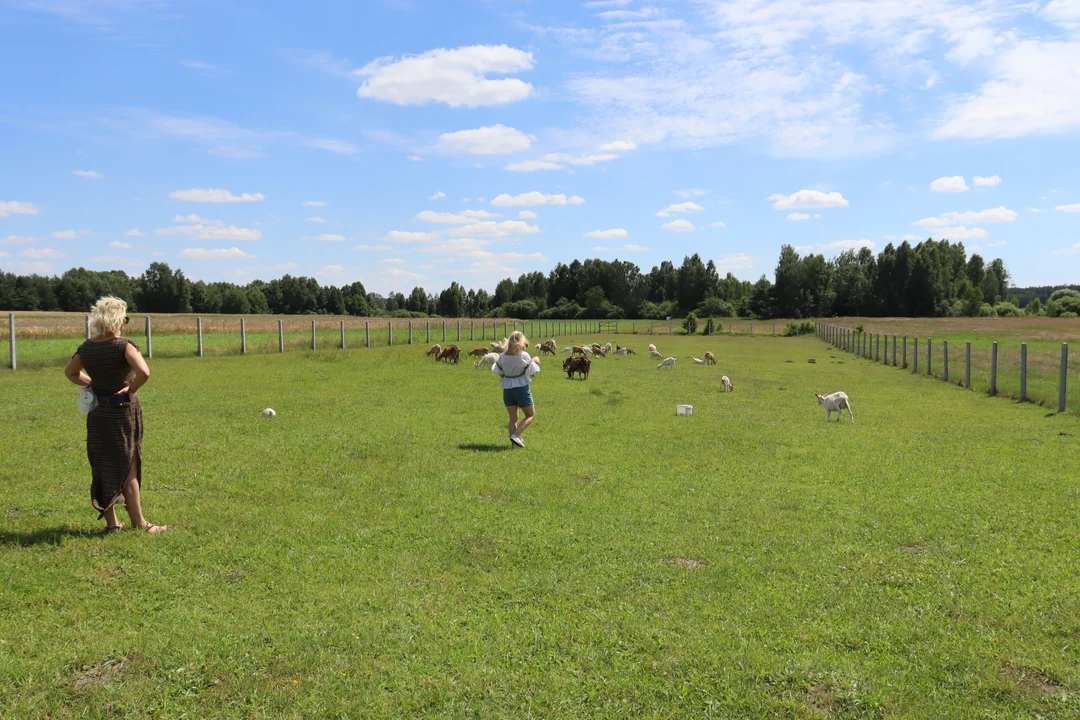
516	369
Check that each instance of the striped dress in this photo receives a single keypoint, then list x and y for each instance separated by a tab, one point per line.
113	434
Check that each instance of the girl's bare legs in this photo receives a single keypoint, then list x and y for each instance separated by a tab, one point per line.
110	518
134	504
530	415
512	425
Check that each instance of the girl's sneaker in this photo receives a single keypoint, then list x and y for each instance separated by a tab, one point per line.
517	441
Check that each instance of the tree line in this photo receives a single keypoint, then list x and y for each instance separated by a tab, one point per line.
933	278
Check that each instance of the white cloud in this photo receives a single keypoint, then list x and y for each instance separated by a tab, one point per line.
92	174
1034	87
196	219
841	245
1000	243
338	147
613	234
691	193
455	246
317	219
18	240
393	261
438	196
3	255
315	203
625	248
120	245
133	232
414	158
803	248
462	218
15	207
952	183
618	146
333	272
404	236
534	198
679	226
399	274
1073	208
992	181
66	234
216	231
1067	251
328	237
374	248
797	217
733	263
455	77
492	140
40	253
808	199
961	233
427	267
527	215
215	195
718	224
233	253
678	208
491	228
582	159
534	166
909	238
35	268
1000	214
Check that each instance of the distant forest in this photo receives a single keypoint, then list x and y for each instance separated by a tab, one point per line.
931	279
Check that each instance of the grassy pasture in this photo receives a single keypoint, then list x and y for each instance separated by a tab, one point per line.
378	551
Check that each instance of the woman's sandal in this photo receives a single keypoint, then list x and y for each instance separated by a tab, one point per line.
110	529
153	529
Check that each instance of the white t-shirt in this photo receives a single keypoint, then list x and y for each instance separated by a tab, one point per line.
515	370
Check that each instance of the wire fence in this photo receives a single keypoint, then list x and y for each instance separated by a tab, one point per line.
1035	372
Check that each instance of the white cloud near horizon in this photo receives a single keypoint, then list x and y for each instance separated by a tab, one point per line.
1000	214
215	231
91	174
133	232
16	207
490	140
613	234
315	203
951	183
992	181
532	199
438	195
233	253
456	77
679	225
459	218
808	199
678	208
215	195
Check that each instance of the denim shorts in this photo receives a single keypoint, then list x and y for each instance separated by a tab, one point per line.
519	396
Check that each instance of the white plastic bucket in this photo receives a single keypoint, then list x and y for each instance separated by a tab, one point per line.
684	409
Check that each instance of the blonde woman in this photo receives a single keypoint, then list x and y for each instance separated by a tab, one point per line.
516	369
114	369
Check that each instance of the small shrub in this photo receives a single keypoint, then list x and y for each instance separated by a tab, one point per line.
794	329
1068	314
986	310
1034	307
1005	309
1064	293
690	323
709	327
859	328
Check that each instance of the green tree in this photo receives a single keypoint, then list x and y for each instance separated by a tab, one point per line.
690	323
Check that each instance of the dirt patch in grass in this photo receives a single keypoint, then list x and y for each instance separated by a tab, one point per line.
690	563
820	699
1034	680
913	549
101	673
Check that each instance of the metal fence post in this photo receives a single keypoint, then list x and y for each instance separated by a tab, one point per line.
342	334
312	334
243	337
929	356
410	332
198	331
390	333
149	339
281	336
877	347
472	330
367	333
427	326
11	341
894	350
87	327
1023	372
459	331
1064	371
915	368
905	354
945	350
993	370
967	365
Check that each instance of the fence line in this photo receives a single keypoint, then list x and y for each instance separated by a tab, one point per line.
867	345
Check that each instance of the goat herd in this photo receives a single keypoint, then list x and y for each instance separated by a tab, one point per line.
578	364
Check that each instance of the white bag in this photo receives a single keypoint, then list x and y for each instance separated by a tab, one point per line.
86	400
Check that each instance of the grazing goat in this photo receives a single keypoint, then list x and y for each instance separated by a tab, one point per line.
710	359
621	351
578	350
653	354
607	349
568	349
435	350
499	347
549	347
580	365
666	362
450	352
652	348
487	361
697	361
726	382
478	352
837	401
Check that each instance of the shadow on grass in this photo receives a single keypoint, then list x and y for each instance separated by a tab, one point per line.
482	447
46	536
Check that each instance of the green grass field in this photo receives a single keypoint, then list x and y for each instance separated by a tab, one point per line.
378	551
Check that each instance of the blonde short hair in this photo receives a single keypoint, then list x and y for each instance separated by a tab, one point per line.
516	343
107	316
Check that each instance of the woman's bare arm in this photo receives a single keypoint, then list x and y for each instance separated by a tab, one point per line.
138	364
74	372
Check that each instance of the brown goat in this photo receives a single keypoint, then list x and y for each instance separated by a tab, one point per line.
577	350
450	352
579	365
479	352
435	350
710	359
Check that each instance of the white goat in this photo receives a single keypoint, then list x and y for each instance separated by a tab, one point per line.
652	348
653	354
607	348
586	349
621	351
697	361
567	350
486	361
837	401
726	382
499	347
666	362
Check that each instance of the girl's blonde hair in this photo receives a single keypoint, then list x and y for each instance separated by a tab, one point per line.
516	343
107	316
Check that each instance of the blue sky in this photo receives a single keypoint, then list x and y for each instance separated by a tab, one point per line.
408	143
